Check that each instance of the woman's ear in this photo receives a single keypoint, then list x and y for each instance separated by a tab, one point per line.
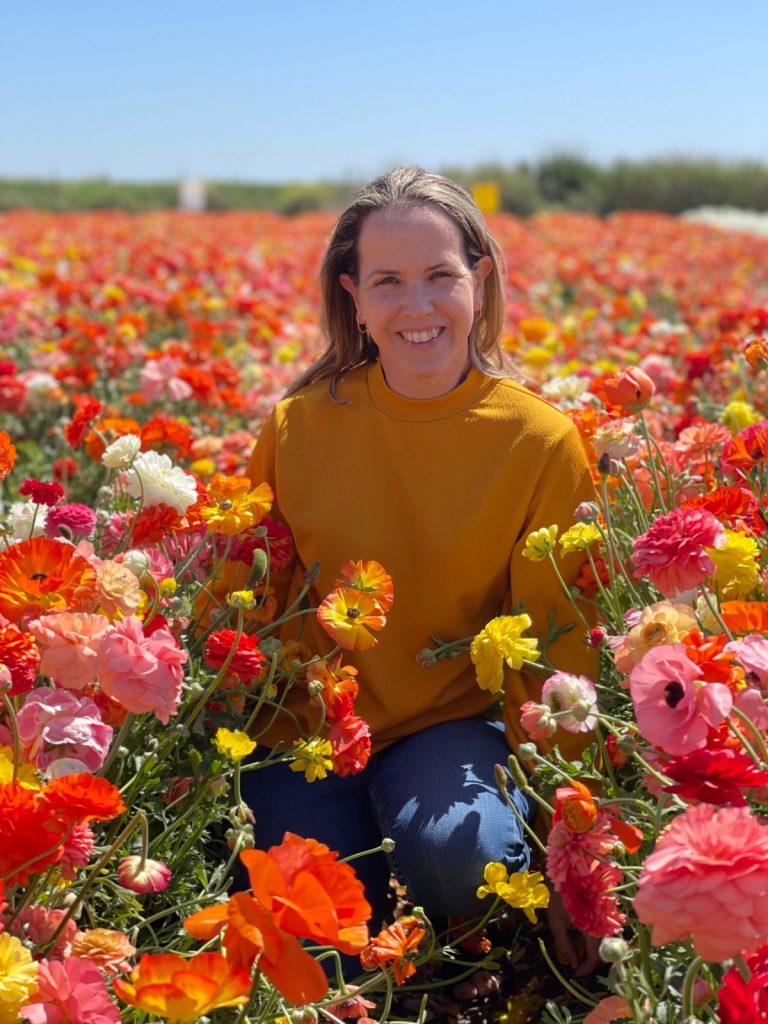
481	270
349	285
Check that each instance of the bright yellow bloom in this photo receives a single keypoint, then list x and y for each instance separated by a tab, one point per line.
736	565
370	577
240	599
233	744
314	759
537	356
26	776
234	507
18	976
348	616
737	415
525	890
539	543
578	537
168	586
501	641
203	467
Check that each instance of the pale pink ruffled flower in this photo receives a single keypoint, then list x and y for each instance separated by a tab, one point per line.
144	673
158	380
673	707
574	697
537	720
672	553
71	991
119	590
69	646
151	876
56	724
707	880
752	652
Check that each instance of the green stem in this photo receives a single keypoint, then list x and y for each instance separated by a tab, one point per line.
688	983
11	712
117	743
567	592
652	447
566	984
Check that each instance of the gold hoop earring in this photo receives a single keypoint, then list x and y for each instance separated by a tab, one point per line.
362	328
478	313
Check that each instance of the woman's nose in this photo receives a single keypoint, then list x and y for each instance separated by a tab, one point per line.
417	299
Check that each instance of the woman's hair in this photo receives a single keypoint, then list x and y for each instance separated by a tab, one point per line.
348	347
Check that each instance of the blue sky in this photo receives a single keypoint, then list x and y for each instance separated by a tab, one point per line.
298	90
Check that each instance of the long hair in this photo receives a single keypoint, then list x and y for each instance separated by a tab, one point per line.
348	348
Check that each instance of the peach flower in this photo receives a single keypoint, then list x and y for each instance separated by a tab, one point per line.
707	880
659	623
119	590
70	644
608	1010
107	948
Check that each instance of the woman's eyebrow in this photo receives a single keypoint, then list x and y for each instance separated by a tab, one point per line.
435	266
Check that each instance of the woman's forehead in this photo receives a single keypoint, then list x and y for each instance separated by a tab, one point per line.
409	232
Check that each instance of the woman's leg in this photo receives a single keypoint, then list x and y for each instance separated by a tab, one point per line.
435	794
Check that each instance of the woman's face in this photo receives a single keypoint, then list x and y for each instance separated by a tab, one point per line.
417	297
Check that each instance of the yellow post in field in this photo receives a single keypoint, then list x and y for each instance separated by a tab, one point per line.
487	195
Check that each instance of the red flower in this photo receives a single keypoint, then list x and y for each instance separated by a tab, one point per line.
247	660
86	411
748	449
714	776
42	493
350	745
7	455
19	653
745	1002
734	506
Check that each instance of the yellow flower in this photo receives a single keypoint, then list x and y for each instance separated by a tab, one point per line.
234	507
737	415
314	759
203	467
26	776
234	745
578	537
501	641
736	565
240	599
525	890
539	543
348	616
18	976
168	586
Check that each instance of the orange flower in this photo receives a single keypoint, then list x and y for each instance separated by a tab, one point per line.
7	455
86	411
630	390
575	807
166	434
234	506
745	616
43	575
348	616
735	507
371	578
110	428
392	946
716	665
107	948
339	683
84	797
756	352
183	990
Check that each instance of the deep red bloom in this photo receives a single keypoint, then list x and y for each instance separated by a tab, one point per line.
86	411
745	1002
714	776
42	493
247	660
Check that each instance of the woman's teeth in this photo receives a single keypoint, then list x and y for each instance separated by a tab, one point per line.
419	337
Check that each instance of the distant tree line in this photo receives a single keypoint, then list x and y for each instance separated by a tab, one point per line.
558	181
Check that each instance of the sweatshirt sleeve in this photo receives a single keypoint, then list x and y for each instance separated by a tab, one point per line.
563	483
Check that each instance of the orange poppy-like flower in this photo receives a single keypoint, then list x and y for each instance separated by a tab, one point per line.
575	806
716	665
756	352
348	616
629	390
748	449
84	797
735	507
339	682
371	578
233	505
745	616
166	434
43	575
180	989
392	947
86	411
7	455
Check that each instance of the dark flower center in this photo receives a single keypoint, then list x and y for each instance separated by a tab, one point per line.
353	613
39	576
225	506
673	693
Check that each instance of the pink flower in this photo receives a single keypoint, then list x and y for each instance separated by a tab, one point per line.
752	652
158	380
573	698
37	925
151	876
78	847
71	991
588	899
70	644
56	725
350	740
673	707
707	880
143	673
752	703
672	553
574	853
537	720
73	520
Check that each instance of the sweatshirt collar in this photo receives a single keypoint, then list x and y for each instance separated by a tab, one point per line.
424	409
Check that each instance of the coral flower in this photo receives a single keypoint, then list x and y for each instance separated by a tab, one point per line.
339	683
69	644
86	411
502	641
707	880
589	899
609	1010
370	577
350	739
42	575
84	797
632	389
71	991
348	616
675	709
234	505
673	555
181	989
393	947
247	660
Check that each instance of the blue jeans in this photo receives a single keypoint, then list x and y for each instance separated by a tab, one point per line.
434	793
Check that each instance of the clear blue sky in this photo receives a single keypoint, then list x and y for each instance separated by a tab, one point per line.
270	90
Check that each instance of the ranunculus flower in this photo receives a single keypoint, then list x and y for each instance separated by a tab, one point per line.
143	673
151	876
56	724
119	590
71	991
714	776
674	708
155	480
631	389
657	624
573	698
121	452
69	643
537	720
350	740
108	948
752	652
707	880
72	520
745	1002
672	553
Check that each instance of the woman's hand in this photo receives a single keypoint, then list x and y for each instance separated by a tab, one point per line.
581	956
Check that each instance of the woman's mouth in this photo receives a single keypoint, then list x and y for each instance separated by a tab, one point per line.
421	337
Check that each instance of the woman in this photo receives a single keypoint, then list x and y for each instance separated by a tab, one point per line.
408	443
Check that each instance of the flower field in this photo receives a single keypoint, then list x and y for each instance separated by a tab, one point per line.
143	653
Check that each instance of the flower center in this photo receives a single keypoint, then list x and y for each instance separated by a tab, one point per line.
353	613
39	576
673	693
225	506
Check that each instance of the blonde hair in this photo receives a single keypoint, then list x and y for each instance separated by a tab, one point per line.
348	348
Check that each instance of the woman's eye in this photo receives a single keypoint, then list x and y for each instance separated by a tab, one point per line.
386	280
442	273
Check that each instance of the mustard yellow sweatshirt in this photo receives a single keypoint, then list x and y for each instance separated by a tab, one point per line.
443	493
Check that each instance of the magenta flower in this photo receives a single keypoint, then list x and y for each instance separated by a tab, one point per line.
143	672
73	520
149	876
55	726
672	554
674	708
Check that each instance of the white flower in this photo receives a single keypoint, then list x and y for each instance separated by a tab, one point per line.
155	480
137	561
121	453
573	699
618	438
20	517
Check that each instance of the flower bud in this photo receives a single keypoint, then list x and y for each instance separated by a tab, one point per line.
312	574
596	637
143	875
500	776
303	1015
387	844
587	512
6	679
426	657
260	562
315	687
240	599
218	785
519	777
527	751
261	531
613	950
136	562
241	814
270	646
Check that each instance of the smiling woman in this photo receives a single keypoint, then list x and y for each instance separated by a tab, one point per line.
409	444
